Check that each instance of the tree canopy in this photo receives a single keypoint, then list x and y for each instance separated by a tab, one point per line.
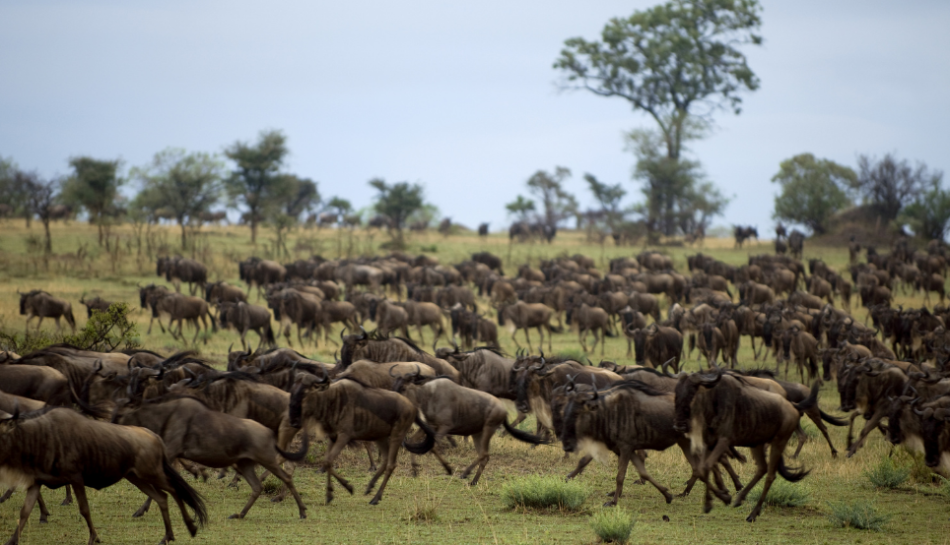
94	185
397	202
256	183
889	184
812	191
188	184
521	207
558	205
929	214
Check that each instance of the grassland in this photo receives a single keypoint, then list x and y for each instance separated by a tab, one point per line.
435	508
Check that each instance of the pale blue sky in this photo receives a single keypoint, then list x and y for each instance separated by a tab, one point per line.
459	96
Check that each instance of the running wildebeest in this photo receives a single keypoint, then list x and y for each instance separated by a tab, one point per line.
179	269
244	317
483	229
40	304
96	303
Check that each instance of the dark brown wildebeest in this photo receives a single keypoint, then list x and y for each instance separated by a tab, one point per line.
629	417
590	319
101	455
255	271
657	345
484	369
389	317
191	430
753	293
362	347
179	269
179	308
932	283
222	292
483	229
865	389
489	259
348	411
472	327
445	226
932	417
646	303
803	346
720	412
425	314
294	307
631	320
796	243
780	247
383	375
327	219
147	295
744	233
60	212
524	316
244	317
452	409
40	304
96	303
36	382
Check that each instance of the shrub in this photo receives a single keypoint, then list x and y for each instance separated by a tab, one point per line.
781	494
887	474
537	492
859	514
944	485
612	525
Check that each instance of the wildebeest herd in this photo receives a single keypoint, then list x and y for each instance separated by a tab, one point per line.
74	418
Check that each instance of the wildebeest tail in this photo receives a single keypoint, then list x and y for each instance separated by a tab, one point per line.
69	316
426	444
299	455
214	324
557	329
269	335
789	474
186	493
523	436
833	420
809	401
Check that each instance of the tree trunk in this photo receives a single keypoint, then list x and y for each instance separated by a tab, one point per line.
253	229
99	225
181	223
49	239
29	216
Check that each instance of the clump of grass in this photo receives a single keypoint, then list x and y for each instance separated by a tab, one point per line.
424	513
575	354
538	492
860	514
781	494
271	486
944	485
887	474
612	525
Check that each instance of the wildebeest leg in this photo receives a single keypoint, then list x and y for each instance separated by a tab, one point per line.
624	461
581	464
868	428
815	417
775	458
639	465
6	495
68	500
801	440
144	509
732	474
582	337
246	468
392	450
289	484
482	441
527	338
519	418
160	498
761	467
44	512
84	511
32	493
334	451
851	427
369	454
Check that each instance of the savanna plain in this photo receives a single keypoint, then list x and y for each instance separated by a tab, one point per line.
434	507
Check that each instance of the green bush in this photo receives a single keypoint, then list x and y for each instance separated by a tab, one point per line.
538	492
612	525
944	485
887	474
859	514
781	494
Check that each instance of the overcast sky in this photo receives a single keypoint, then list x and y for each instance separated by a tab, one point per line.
458	96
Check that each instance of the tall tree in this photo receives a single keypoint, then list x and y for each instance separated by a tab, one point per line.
292	197
256	181
94	185
521	208
12	191
671	61
608	197
43	195
185	183
929	215
397	202
889	184
549	189
812	191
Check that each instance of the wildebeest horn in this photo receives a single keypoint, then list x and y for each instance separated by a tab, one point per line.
418	371
391	369
342	331
230	347
589	363
665	367
537	367
362	333
926	413
596	393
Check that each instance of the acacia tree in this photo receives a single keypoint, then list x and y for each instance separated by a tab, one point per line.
13	193
609	197
397	202
94	186
292	197
557	203
257	182
42	195
186	184
678	62
521	208
813	190
889	184
929	215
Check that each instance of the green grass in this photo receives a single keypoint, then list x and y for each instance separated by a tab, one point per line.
612	525
462	514
781	494
860	515
887	474
543	493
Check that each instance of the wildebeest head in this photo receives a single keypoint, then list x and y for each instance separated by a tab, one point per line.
161	266
303	384
581	399
933	417
350	345
685	391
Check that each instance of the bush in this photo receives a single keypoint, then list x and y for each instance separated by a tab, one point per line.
613	525
944	485
887	474
781	494
543	493
860	514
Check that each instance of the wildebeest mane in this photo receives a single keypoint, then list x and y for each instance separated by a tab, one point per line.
410	343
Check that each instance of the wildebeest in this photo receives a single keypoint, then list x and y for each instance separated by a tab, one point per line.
590	319
348	411
96	303
255	271
99	455
179	269
40	304
179	308
720	412
452	409
425	314
244	317
472	328
222	292
213	217
657	345
524	316
796	243
293	307
389	317
191	430
36	382
483	229
381	350
744	233
489	259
